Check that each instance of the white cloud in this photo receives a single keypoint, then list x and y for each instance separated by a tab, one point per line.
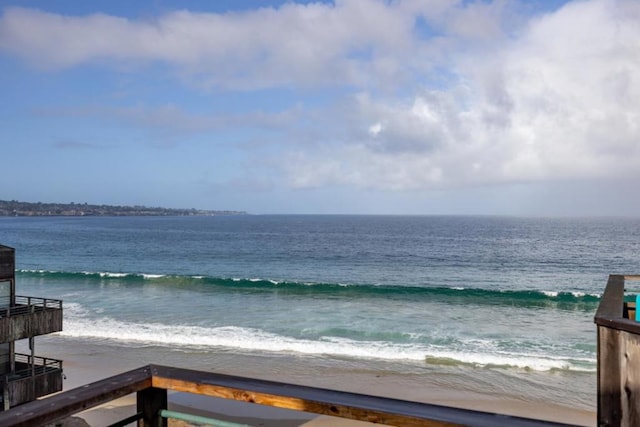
559	100
375	129
449	93
314	44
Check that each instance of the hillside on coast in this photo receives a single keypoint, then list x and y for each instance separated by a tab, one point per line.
16	208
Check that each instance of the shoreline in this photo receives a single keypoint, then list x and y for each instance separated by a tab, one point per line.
86	362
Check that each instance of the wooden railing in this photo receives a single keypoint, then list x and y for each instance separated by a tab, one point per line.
152	382
618	356
33	377
26	305
29	318
35	365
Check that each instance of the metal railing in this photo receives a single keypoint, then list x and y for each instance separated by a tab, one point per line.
26	305
33	366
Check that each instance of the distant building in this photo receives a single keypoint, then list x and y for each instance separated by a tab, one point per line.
25	377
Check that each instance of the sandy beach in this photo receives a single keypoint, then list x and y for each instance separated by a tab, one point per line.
88	362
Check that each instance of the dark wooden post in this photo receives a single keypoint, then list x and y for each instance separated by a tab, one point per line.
609	389
150	401
618	358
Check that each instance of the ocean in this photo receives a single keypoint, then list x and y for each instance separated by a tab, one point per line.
487	304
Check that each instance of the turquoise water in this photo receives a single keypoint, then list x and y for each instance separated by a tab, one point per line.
514	296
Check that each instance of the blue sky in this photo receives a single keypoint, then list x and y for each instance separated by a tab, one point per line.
357	106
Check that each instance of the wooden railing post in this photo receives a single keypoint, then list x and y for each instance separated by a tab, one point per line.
150	402
6	403
618	357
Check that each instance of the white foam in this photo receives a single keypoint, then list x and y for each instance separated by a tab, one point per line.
234	337
579	294
37	271
74	309
108	274
152	276
477	353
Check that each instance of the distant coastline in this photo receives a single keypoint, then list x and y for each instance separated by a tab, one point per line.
16	208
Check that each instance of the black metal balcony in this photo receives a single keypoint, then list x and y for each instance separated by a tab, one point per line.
33	377
29	317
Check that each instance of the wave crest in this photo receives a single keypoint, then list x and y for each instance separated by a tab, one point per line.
453	294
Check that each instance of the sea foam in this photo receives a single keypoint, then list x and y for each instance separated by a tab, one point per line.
78	324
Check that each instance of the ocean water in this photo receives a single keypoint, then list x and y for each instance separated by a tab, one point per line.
498	302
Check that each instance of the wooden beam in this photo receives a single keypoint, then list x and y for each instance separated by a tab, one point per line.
609	387
65	404
618	358
611	308
154	381
329	402
150	402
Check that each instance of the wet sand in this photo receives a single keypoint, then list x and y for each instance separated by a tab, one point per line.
88	362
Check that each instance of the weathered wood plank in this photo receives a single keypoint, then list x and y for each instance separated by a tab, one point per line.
7	262
630	378
618	358
62	405
611	303
609	389
611	308
30	388
317	407
328	402
40	322
283	395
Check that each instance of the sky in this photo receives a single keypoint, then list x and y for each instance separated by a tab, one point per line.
489	107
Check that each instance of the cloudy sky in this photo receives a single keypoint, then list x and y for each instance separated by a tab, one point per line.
352	106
